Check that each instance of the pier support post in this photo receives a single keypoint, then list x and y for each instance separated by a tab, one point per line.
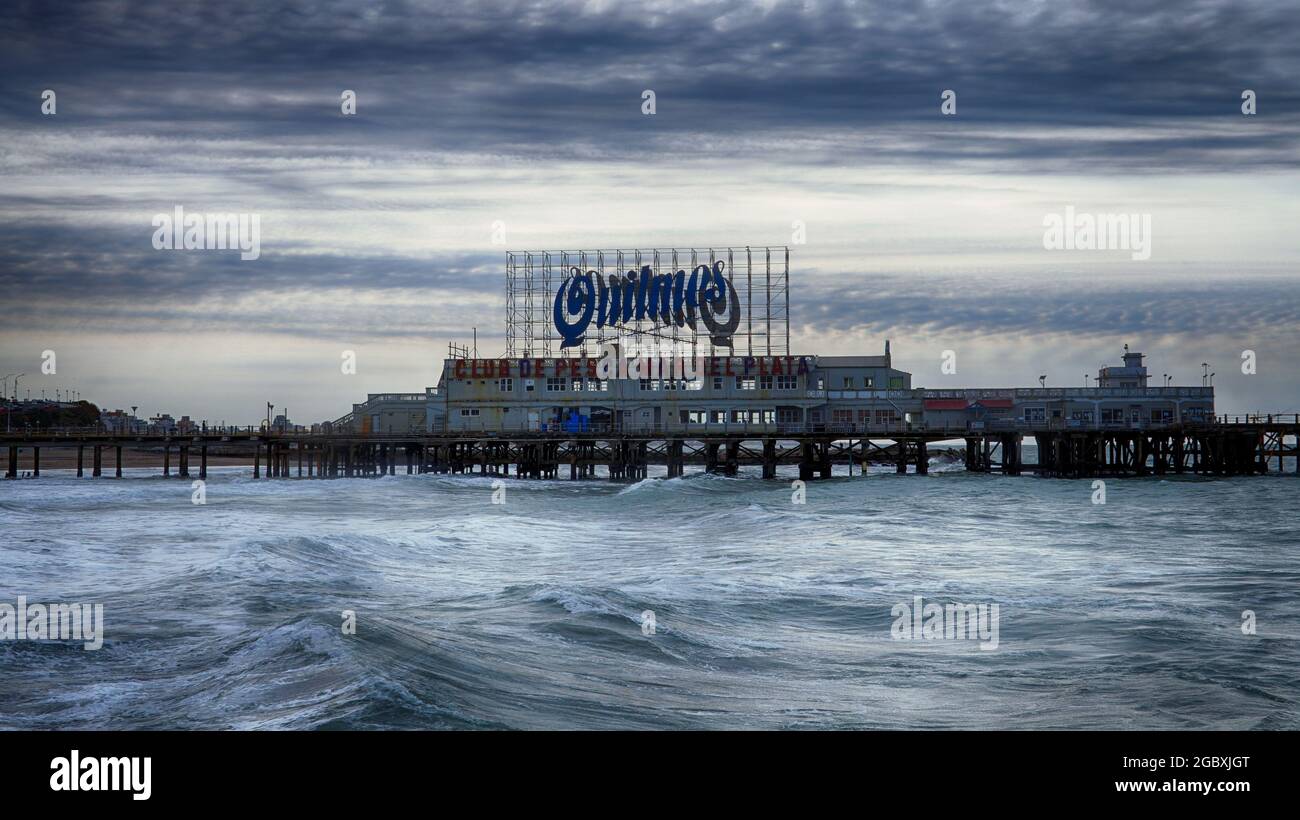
12	470
97	461
36	462
922	459
901	456
203	462
1011	454
81	460
806	460
119	460
257	460
769	457
167	461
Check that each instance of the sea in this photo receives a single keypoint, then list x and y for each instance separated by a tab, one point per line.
701	602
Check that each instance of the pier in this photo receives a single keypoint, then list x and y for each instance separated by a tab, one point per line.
1226	446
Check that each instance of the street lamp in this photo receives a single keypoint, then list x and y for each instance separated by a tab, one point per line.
1042	380
9	416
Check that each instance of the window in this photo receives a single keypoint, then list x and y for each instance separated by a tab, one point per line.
694	384
555	385
469	411
767	416
739	416
744	382
848	382
718	416
868	382
895	382
764	382
506	385
1034	414
821	383
529	385
649	384
886	417
842	416
787	382
717	383
1112	415
598	385
577	385
694	416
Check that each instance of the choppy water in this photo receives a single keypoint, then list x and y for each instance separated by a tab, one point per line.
768	614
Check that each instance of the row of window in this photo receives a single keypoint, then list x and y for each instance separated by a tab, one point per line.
863	416
557	385
777	382
1109	415
762	416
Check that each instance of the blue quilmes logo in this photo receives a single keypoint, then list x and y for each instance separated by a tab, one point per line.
662	298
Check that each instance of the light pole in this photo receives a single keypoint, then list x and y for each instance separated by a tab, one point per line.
1042	380
9	416
1205	373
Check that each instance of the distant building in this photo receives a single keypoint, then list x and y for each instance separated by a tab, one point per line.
163	423
120	421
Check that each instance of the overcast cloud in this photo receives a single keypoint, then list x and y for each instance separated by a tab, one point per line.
376	229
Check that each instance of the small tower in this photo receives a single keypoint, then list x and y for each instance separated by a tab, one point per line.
1132	374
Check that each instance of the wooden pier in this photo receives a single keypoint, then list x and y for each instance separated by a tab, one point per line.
1220	449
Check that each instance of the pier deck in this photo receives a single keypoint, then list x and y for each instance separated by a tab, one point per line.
1232	446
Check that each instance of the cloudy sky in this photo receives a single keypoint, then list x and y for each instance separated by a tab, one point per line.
377	229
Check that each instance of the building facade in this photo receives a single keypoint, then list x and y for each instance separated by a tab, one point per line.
862	395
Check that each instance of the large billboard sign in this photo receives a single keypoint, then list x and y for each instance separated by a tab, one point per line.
663	299
728	301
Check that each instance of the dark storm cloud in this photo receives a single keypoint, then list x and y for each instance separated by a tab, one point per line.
113	281
989	307
809	82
